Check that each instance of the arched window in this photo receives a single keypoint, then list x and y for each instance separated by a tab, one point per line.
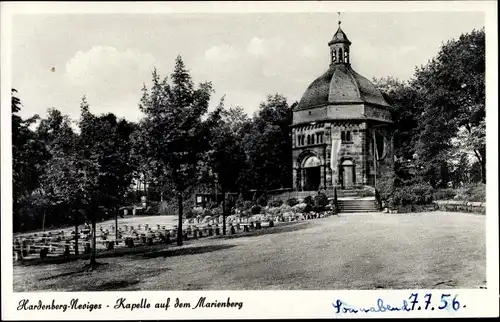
348	136
308	139
334	56
312	139
346	57
340	55
342	136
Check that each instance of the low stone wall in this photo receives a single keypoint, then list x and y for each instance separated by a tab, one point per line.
461	206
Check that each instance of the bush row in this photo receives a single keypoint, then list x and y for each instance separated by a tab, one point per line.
408	195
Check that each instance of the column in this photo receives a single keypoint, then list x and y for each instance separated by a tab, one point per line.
328	141
295	176
364	154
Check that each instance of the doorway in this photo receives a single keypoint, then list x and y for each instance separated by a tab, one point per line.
348	174
312	173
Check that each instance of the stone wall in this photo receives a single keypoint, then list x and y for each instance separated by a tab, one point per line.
354	150
331	121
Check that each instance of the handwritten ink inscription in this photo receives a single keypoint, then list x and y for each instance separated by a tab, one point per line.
445	302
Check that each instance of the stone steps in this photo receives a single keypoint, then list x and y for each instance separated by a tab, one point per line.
300	195
353	205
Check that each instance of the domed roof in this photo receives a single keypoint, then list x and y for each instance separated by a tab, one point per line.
341	84
339	37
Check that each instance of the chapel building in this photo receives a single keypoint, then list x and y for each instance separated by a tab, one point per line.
341	106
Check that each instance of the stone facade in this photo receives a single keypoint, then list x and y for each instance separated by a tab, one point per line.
344	105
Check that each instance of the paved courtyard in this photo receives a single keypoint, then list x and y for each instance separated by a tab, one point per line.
350	251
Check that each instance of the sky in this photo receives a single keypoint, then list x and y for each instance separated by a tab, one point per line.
59	58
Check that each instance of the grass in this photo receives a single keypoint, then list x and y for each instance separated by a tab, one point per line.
351	251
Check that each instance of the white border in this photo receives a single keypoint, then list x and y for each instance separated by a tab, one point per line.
257	304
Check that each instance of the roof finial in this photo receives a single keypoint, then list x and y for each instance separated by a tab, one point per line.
339	19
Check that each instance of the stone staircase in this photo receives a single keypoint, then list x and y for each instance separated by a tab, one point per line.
357	200
361	199
357	205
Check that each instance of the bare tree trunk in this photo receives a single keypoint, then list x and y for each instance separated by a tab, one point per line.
223	210
76	231
116	226
483	172
482	163
179	226
94	233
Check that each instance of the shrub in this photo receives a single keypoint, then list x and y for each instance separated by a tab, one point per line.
276	203
445	194
300	207
385	188
274	210
285	208
168	208
309	200
417	194
244	207
404	193
240	201
256	209
262	200
217	211
472	192
198	211
320	201
189	214
292	202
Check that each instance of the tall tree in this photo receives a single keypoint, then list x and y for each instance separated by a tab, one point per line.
453	84
174	126
59	140
406	102
104	145
28	158
226	156
267	143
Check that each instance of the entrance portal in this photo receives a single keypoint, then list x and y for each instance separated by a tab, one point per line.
312	173
347	174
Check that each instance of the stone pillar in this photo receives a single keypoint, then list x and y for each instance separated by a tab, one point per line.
328	141
295	177
370	155
364	154
302	178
